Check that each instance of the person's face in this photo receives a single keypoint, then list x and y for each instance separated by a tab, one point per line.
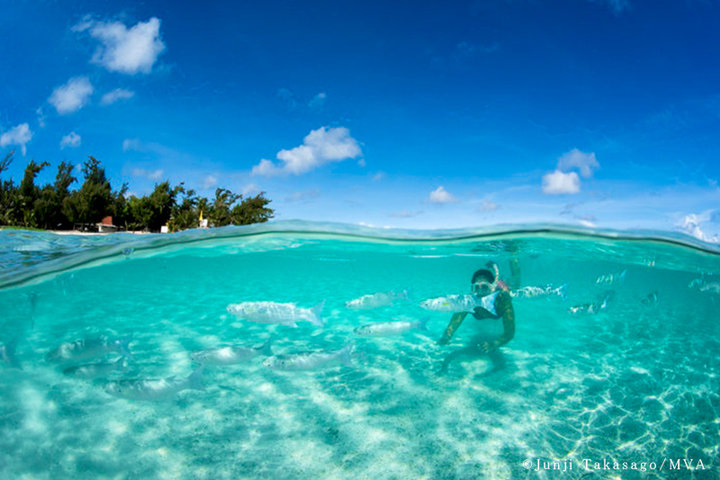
482	287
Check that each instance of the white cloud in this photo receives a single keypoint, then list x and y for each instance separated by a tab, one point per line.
72	96
558	182
115	95
209	182
18	135
71	140
585	163
321	146
154	175
692	224
125	50
318	100
440	195
564	181
378	176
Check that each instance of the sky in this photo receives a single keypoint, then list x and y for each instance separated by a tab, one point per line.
408	114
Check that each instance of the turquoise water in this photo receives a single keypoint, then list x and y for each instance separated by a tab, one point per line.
636	381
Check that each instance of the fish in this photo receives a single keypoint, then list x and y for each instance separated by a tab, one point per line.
287	314
89	348
611	278
155	389
650	298
376	300
592	308
7	354
384	329
713	287
230	355
452	303
91	371
314	360
530	291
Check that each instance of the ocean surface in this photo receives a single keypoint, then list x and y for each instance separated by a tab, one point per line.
617	377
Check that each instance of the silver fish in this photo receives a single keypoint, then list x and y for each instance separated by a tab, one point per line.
311	360
452	303
611	278
91	371
88	348
376	300
279	313
7	354
155	390
713	287
592	308
230	355
530	292
384	329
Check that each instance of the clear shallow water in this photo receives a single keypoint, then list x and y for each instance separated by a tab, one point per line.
638	381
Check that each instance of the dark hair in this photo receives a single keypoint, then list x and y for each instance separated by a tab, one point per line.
489	276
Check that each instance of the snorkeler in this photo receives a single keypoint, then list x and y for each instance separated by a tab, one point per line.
493	296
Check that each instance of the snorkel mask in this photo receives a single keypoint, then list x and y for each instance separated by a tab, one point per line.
482	288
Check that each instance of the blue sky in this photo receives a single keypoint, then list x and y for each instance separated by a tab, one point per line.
406	113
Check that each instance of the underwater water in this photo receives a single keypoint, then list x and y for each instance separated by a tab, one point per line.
624	366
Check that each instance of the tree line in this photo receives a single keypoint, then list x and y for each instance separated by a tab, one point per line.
55	206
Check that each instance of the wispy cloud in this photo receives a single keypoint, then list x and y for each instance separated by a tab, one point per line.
318	100
440	195
71	140
18	135
250	189
378	176
71	96
303	196
125	50
287	97
486	206
585	163
405	214
209	182
321	146
116	95
154	175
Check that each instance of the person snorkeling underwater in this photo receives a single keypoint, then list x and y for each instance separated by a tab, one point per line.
495	303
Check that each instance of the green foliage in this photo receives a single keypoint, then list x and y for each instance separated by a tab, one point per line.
94	199
56	206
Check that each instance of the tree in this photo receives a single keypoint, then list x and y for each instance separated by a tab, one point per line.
219	214
8	194
48	208
94	199
252	210
29	193
186	213
152	212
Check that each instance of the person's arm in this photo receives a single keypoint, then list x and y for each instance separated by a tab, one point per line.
504	304
455	322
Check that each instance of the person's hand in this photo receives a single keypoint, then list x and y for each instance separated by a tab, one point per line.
444	340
